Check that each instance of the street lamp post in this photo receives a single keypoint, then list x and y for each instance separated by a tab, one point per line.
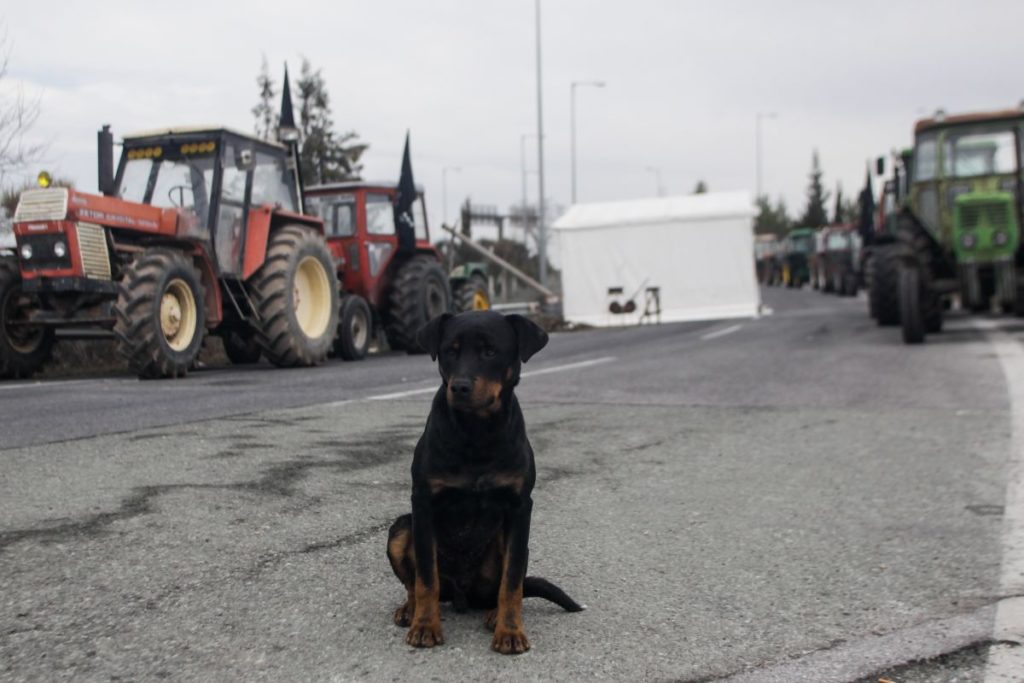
657	179
444	191
522	163
523	207
761	115
572	119
542	231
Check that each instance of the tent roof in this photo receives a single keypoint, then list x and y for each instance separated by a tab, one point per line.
657	210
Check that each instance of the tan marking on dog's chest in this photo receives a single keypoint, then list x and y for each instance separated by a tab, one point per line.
479	482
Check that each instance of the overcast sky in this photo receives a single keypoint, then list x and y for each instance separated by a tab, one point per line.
684	83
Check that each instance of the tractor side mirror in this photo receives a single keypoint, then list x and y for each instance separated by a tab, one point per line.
880	166
245	160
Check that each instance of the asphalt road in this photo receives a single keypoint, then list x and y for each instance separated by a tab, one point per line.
797	497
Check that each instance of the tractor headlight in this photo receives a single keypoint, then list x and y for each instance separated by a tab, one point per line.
968	241
60	250
26	251
1000	239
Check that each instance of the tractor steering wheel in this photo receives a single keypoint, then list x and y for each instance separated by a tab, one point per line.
181	189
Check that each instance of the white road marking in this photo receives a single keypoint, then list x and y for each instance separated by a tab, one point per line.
433	387
43	383
1005	663
721	333
570	366
402	394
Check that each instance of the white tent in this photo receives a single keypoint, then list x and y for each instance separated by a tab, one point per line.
696	250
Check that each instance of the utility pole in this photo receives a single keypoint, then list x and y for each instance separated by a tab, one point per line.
522	166
657	180
572	125
542	229
444	191
760	115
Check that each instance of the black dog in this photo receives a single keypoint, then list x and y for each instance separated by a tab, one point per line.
466	540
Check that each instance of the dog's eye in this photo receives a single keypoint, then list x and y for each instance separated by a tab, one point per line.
452	351
490	352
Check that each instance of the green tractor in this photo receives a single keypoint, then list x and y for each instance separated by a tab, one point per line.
796	255
957	231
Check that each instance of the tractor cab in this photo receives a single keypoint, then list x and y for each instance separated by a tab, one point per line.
965	184
797	254
212	177
359	223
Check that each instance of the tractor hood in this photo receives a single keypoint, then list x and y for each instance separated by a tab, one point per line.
60	204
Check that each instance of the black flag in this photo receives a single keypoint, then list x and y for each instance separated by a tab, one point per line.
288	134
404	200
867	210
286	123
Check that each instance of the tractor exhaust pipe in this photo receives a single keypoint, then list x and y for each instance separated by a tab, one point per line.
105	154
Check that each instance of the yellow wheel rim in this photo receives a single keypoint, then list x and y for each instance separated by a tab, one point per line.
178	315
312	297
480	301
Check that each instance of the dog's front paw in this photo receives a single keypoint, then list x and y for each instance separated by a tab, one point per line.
403	615
510	641
425	634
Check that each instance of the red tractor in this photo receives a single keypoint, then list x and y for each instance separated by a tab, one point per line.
200	230
391	282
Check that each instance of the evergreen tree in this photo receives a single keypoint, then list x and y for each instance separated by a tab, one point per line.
265	110
771	220
701	187
837	215
815	215
325	156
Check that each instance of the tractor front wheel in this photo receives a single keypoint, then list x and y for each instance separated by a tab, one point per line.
419	293
472	294
159	314
295	292
911	313
354	329
23	348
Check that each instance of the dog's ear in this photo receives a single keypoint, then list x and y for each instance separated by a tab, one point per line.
429	336
532	338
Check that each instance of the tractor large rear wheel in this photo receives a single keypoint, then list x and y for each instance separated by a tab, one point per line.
23	349
912	315
885	285
295	292
472	294
419	293
159	314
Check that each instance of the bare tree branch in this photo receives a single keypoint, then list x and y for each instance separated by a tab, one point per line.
18	114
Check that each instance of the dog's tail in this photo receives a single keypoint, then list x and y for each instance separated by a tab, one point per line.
536	587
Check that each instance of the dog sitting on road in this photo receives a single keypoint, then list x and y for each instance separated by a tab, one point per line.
466	540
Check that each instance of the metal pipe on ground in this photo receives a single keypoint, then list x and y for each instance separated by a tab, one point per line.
550	297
